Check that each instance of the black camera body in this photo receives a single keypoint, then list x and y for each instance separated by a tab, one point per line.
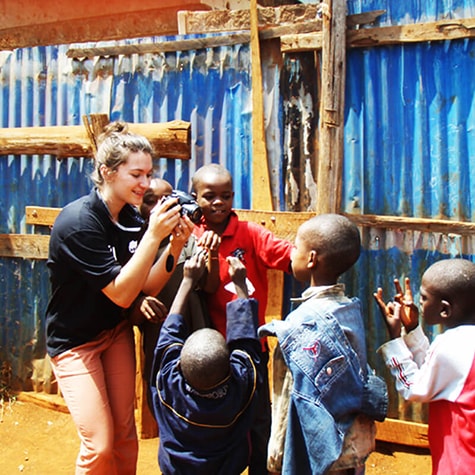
189	206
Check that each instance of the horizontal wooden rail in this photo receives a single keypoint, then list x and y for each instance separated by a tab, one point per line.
168	139
396	431
283	224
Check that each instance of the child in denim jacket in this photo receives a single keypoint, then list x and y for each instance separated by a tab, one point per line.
326	402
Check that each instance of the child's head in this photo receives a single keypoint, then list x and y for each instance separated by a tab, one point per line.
213	189
204	359
326	246
447	293
157	190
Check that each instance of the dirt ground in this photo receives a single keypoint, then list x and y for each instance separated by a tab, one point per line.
38	440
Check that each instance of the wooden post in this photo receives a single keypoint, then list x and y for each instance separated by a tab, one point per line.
330	157
261	191
94	125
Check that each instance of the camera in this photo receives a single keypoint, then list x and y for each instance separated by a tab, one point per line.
189	206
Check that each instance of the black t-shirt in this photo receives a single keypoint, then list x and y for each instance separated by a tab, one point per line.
87	250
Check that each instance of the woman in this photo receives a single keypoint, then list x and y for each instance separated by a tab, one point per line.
100	260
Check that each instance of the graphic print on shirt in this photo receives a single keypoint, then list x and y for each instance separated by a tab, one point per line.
112	250
314	350
133	246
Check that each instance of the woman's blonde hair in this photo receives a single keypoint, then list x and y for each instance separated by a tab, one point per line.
116	143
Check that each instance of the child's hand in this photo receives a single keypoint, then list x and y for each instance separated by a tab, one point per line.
210	241
391	314
148	308
238	273
409	312
195	266
153	309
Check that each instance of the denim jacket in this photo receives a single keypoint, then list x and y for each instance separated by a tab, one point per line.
323	344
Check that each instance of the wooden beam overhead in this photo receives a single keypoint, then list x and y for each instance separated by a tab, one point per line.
169	139
112	26
233	20
274	23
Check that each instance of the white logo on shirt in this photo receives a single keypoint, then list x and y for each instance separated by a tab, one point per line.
133	246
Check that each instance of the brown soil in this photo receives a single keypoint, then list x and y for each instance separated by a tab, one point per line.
42	441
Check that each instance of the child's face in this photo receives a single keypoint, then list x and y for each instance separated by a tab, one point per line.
300	260
214	194
158	189
431	304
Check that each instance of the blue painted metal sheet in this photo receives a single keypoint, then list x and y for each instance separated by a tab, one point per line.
409	127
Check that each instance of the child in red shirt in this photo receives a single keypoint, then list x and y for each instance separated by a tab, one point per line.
260	250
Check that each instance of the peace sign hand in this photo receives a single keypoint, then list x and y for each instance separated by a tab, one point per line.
409	312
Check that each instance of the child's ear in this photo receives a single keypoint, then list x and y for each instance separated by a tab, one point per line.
312	259
193	193
446	310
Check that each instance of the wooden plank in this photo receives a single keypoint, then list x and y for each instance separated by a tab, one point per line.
49	401
26	246
331	122
163	47
413	33
268	18
108	26
146	425
234	20
413	224
169	139
285	223
403	432
261	190
41	216
388	35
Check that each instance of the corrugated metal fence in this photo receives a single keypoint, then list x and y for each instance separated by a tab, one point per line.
409	140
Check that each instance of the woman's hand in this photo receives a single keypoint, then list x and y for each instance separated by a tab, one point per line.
164	218
182	232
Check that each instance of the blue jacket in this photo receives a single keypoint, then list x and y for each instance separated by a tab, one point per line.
323	344
207	432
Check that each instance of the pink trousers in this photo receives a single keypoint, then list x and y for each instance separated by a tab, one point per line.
97	381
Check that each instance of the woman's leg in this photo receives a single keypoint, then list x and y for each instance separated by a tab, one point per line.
81	380
119	370
97	380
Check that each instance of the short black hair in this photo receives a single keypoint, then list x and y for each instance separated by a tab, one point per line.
335	238
212	168
204	359
453	279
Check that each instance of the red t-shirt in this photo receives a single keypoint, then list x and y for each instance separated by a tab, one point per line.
260	251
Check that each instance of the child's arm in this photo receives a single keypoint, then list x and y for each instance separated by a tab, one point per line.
210	241
237	272
192	271
242	313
